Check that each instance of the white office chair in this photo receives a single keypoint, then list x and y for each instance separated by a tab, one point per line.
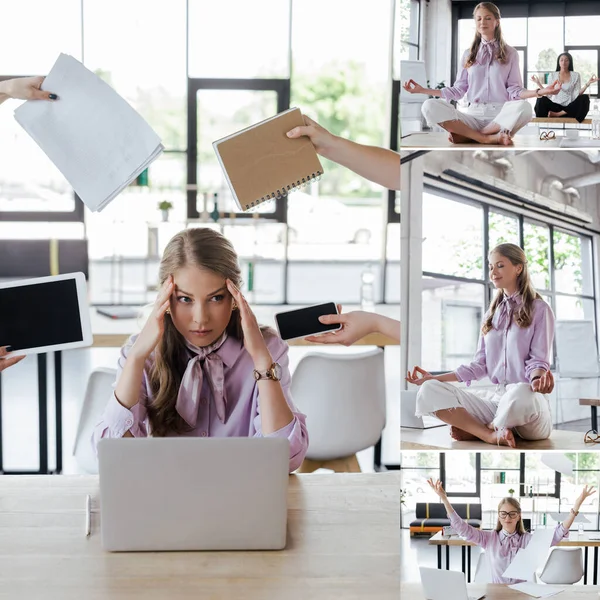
343	398
563	566
97	393
483	572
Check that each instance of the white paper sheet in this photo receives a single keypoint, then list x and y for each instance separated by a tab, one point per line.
529	559
536	590
558	462
93	136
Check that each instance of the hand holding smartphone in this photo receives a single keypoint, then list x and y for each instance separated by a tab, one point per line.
303	322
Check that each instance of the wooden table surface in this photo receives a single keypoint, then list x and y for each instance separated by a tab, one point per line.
343	542
498	591
434	140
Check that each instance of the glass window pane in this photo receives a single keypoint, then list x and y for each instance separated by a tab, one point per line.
500	460
584	460
447	250
451	319
502	229
582	31
420	460
537	249
571	308
539	479
572	263
407	29
460	473
545	43
239	39
221	113
29	181
28	26
144	61
585	62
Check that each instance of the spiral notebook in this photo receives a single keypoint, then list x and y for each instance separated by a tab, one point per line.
261	163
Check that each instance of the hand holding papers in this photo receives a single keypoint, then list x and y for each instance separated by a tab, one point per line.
93	136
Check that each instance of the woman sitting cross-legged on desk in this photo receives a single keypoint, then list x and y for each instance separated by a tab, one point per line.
514	351
509	536
202	366
571	101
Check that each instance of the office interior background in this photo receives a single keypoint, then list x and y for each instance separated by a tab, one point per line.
196	75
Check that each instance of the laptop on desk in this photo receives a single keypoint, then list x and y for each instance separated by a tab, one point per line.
187	493
445	585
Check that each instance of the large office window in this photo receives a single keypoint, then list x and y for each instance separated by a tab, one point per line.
408	17
456	287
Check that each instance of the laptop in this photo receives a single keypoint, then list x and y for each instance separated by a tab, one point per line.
188	493
445	585
408	406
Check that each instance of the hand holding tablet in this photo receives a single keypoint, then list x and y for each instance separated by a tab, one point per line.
44	314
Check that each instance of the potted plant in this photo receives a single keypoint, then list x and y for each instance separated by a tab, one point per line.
165	206
511	492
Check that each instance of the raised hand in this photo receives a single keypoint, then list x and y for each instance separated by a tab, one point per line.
414	376
437	487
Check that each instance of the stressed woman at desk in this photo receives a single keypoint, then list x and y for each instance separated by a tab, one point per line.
514	352
202	366
509	536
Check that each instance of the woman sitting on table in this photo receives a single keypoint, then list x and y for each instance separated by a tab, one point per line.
509	536
491	79
514	350
202	366
571	101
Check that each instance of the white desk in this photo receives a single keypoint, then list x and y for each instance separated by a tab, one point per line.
342	543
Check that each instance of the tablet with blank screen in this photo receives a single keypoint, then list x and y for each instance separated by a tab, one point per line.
45	314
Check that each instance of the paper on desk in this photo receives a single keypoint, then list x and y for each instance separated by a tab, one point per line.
530	558
93	136
536	590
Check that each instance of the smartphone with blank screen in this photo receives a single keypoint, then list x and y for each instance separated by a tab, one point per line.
303	322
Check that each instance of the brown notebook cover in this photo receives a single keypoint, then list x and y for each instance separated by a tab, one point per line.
261	163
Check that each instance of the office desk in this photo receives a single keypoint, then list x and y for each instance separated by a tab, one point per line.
342	543
498	591
585	541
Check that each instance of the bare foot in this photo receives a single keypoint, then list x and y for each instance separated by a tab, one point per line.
502	437
456	138
501	139
461	436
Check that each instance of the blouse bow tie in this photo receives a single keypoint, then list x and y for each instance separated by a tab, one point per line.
505	311
486	53
207	363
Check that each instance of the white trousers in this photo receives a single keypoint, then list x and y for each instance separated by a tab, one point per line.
511	116
514	406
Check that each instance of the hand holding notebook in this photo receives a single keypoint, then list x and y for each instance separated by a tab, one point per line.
261	163
93	136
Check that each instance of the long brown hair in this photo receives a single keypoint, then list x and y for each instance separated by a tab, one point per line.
207	249
515	504
501	56
524	315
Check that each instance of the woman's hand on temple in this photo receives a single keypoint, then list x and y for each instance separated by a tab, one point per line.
415	379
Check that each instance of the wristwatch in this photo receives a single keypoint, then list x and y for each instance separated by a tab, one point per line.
274	373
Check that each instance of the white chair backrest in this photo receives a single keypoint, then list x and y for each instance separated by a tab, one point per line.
563	566
483	572
576	349
343	397
98	391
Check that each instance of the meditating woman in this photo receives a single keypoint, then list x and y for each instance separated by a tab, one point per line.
491	79
514	351
571	101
